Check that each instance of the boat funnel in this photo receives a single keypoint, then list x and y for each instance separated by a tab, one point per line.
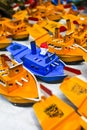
68	24
33	47
57	33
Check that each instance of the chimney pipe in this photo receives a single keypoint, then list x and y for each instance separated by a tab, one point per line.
33	47
68	24
59	2
57	33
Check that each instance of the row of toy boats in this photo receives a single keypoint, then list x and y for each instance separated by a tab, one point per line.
19	85
43	64
19	26
61	41
62	45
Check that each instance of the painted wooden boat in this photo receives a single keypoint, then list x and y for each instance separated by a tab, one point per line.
18	29
53	114
48	68
38	33
75	90
4	41
62	43
17	85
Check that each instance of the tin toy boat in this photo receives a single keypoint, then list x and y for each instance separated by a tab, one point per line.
76	91
4	41
22	14
18	29
53	114
17	85
38	33
43	64
49	25
62	43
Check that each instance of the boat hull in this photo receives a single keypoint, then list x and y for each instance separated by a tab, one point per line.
56	75
4	43
71	59
51	79
20	36
19	101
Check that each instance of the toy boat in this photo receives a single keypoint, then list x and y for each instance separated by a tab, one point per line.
2	27
43	64
64	47
4	41
53	114
4	20
38	33
18	29
22	14
80	35
82	110
17	84
50	25
76	91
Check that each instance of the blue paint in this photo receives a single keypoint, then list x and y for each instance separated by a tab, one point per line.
33	47
74	8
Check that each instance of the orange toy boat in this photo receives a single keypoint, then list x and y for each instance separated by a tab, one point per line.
50	25
20	15
64	47
76	91
17	84
18	29
38	33
4	41
54	114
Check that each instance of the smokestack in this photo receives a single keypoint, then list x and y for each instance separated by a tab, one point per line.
84	27
33	47
68	24
57	32
59	2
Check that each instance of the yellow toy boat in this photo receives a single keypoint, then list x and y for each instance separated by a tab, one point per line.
4	41
38	33
80	35
83	111
20	15
64	47
17	84
18	29
4	20
76	91
50	25
54	16
53	114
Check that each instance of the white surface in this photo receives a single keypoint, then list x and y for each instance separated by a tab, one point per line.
23	118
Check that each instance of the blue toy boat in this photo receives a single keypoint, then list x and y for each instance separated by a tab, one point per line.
44	65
